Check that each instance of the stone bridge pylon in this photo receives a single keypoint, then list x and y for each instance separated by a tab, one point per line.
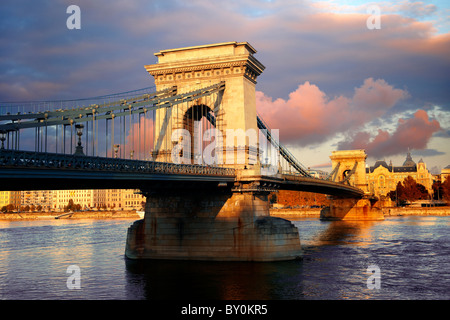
349	166
230	111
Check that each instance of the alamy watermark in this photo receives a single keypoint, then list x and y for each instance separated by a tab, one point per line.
239	147
74	20
374	280
74	280
374	20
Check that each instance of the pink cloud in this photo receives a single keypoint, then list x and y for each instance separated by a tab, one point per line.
140	139
309	116
322	165
412	133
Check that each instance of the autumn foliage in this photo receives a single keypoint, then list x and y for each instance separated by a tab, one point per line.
300	199
409	190
441	190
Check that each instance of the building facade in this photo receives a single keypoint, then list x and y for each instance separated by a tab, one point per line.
61	198
116	199
383	178
37	198
445	173
57	200
10	198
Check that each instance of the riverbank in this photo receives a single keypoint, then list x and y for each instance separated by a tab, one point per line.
288	214
308	213
73	215
419	211
295	213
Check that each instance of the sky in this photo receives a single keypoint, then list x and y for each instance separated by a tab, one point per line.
330	83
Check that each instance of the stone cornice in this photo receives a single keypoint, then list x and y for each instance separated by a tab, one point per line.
245	65
158	69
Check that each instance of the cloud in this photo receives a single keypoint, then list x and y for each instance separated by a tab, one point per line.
309	116
296	41
416	9
413	133
325	47
140	139
322	165
428	153
409	8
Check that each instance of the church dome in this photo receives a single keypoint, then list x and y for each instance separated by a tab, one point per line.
409	161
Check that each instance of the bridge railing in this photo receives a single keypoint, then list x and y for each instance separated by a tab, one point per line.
29	159
303	179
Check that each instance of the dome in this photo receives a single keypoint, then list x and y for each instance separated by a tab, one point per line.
380	163
409	161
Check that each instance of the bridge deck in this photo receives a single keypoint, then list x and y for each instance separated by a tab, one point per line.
300	183
297	182
25	170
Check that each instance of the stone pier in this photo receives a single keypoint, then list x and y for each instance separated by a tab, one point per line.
215	225
352	209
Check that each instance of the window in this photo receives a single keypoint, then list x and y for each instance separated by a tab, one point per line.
381	181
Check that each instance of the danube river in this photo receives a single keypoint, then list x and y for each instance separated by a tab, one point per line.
411	254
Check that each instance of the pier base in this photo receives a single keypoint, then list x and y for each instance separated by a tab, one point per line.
352	209
212	226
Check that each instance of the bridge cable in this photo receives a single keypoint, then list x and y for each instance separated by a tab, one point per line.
283	151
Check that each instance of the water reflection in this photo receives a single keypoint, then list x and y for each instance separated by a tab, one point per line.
412	253
322	273
337	232
154	279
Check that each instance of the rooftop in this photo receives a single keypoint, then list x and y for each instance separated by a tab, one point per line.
408	166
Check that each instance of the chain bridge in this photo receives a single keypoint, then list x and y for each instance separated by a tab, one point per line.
195	147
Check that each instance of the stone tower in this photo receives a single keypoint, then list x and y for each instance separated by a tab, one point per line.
234	108
348	161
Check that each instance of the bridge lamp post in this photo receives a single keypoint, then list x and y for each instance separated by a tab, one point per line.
116	150
79	148
3	138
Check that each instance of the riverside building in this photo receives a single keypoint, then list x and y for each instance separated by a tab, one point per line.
383	178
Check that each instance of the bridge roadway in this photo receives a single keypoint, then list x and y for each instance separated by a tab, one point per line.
27	170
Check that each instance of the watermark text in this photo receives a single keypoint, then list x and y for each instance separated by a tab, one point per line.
74	20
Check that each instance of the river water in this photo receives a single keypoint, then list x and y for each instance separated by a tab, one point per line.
409	256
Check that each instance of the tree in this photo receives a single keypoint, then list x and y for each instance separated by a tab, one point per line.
409	190
70	206
446	189
438	191
398	195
